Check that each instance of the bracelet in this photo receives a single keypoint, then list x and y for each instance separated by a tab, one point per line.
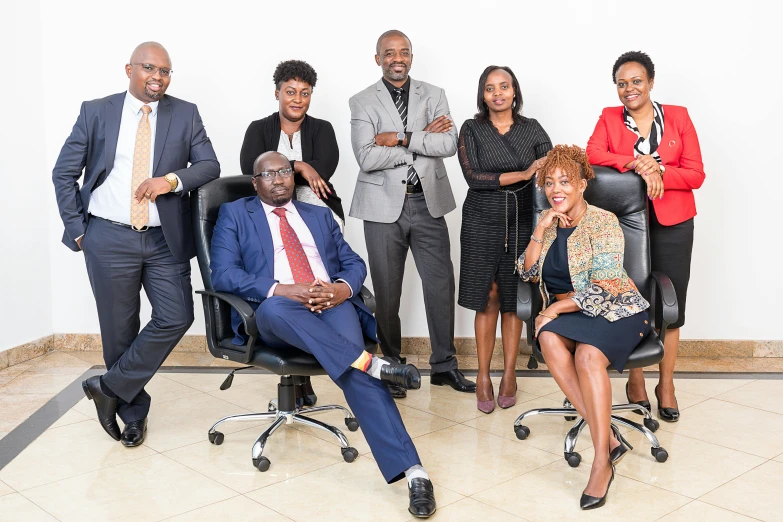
549	316
534	238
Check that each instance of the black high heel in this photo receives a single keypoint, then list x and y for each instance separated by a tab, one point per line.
617	454
643	404
590	502
667	414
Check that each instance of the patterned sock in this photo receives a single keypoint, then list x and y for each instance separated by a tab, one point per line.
375	367
363	362
416	471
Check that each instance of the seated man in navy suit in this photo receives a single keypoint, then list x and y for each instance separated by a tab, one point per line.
290	262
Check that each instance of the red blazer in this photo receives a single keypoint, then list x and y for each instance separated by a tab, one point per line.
612	144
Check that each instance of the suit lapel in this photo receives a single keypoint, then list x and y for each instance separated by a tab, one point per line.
161	131
388	104
413	102
258	216
112	118
314	224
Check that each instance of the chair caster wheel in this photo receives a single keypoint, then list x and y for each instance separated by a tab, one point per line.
651	424
522	432
261	463
569	418
215	438
350	454
352	424
573	459
660	454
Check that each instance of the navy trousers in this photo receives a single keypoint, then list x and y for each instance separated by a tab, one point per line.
335	338
120	262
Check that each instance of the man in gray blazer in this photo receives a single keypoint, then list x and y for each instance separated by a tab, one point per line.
131	218
400	131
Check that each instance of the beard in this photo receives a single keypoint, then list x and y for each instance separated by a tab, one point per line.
395	75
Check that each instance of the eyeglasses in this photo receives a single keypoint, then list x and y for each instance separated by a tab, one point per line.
270	175
151	69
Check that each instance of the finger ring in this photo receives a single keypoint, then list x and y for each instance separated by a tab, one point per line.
147	194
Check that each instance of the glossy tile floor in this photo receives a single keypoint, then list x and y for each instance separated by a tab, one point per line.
726	457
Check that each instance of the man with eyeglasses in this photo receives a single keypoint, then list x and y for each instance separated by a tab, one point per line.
131	218
290	262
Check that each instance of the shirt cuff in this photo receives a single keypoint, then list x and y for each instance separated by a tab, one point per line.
179	185
346	283
271	291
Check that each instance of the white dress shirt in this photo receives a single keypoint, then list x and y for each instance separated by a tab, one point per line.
283	272
112	200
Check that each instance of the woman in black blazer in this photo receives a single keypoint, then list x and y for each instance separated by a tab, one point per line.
309	143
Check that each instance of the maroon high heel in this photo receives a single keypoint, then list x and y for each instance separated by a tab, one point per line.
486	406
506	402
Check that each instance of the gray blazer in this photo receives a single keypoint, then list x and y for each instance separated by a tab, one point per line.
380	187
180	139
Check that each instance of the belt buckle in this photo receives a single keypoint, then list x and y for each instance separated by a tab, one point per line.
142	229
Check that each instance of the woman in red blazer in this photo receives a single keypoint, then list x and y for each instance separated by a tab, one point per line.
659	143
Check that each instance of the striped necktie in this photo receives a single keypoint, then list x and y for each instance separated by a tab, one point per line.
402	108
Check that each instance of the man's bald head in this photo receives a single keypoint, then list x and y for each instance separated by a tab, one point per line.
276	190
147	83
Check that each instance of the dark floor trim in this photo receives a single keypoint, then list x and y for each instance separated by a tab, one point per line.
23	435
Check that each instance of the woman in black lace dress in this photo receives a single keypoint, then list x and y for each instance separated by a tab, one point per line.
499	151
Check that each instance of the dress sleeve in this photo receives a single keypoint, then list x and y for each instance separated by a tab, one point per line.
689	175
468	160
252	147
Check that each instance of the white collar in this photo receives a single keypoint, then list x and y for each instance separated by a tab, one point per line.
135	104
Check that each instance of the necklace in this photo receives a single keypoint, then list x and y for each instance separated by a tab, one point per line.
577	218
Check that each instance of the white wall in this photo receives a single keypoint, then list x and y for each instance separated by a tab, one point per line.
25	208
723	64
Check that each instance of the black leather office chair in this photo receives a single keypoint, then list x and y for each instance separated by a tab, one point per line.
625	195
290	364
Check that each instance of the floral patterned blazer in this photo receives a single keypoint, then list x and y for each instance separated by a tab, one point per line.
595	260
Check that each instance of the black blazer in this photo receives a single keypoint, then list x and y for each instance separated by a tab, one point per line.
319	150
180	139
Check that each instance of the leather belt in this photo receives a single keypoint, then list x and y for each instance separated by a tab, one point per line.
144	229
566	295
413	189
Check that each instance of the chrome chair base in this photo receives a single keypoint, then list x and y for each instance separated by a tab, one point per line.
295	416
569	412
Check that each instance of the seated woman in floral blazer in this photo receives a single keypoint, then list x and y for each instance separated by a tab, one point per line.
594	314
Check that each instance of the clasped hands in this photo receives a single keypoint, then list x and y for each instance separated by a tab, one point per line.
316	296
389	139
649	169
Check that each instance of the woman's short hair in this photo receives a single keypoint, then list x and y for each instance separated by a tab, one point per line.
294	70
570	159
483	110
634	56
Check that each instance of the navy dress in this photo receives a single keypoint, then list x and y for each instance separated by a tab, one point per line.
615	339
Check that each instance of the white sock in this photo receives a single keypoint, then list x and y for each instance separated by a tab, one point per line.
375	367
416	471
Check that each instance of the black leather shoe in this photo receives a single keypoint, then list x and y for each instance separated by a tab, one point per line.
667	414
643	404
588	502
422	498
453	378
617	454
133	434
106	406
397	392
405	376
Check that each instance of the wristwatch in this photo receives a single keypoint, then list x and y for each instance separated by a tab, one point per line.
400	138
172	179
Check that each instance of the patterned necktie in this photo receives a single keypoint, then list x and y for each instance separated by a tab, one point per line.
402	108
140	213
300	266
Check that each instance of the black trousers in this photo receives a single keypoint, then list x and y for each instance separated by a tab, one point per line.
120	262
387	248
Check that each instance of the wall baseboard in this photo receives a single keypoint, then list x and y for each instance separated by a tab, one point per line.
410	346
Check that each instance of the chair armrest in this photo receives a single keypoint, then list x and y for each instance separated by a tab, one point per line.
663	289
245	311
367	298
524	300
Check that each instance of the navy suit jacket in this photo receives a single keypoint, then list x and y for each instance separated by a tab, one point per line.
180	139
242	260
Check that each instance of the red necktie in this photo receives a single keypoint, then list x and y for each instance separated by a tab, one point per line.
300	266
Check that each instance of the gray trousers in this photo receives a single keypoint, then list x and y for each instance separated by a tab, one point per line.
120	262
387	249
